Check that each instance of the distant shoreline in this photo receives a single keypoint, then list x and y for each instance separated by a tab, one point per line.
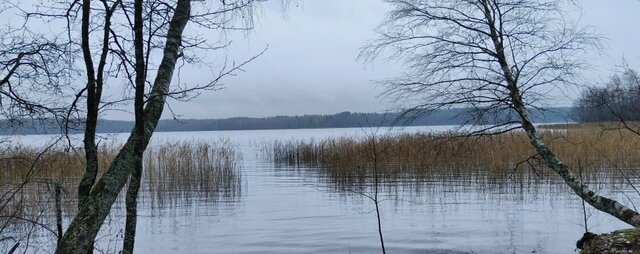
339	120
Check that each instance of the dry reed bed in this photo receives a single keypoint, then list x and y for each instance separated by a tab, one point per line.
192	171
174	173
601	155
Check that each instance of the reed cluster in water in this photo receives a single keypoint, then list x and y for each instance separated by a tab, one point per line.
597	153
175	173
192	171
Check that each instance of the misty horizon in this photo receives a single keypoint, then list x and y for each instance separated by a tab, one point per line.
311	67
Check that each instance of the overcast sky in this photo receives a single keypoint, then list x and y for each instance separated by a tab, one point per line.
310	66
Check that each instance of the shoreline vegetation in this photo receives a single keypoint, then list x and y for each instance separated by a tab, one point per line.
602	154
38	185
176	173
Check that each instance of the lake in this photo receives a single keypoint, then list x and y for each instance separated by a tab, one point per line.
286	209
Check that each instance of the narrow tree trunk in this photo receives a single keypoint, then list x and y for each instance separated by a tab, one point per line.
14	248
132	208
90	150
58	204
375	196
94	94
85	226
91	121
136	175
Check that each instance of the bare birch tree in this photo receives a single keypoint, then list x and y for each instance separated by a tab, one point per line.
130	45
500	57
121	42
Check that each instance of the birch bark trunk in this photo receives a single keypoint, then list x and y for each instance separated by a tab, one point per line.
97	205
599	202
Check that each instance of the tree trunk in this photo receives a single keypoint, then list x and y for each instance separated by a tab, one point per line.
90	149
132	208
601	203
58	203
92	213
136	175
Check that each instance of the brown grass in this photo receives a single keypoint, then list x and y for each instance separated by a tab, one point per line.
600	154
192	171
175	173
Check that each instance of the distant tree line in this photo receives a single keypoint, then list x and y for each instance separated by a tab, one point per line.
339	120
618	99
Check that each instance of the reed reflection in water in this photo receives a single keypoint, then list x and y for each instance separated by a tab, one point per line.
411	162
310	207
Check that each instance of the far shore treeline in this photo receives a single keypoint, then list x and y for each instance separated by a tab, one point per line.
339	120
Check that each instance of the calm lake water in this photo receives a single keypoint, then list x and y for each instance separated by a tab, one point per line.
281	209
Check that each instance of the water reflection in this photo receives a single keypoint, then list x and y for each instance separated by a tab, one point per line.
305	208
181	174
409	164
465	213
